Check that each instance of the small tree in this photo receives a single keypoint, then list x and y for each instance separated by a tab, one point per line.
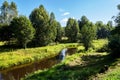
87	35
43	25
114	40
23	30
59	33
52	27
72	30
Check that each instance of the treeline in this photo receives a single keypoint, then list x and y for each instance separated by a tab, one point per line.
42	28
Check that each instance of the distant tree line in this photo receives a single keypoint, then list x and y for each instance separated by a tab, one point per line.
85	31
42	28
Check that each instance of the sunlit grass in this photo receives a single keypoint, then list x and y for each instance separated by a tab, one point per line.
80	66
2	43
99	43
23	56
112	74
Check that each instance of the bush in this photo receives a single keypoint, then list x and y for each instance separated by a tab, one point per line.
114	45
104	48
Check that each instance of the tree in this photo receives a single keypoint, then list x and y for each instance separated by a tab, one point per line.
114	39
40	20
84	20
103	30
23	30
52	27
5	33
72	30
59	33
8	12
88	33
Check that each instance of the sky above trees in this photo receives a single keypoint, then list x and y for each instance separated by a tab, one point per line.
95	10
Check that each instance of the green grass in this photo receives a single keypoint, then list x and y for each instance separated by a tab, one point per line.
112	74
80	66
10	58
75	67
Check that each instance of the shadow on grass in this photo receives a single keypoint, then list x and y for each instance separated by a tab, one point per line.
90	66
8	48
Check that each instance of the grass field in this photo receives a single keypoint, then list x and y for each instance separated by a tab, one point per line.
81	66
112	74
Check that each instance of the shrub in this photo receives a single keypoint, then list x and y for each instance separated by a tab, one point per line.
114	45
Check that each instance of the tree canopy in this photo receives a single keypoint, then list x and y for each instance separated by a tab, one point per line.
44	25
114	39
88	33
23	30
72	30
8	12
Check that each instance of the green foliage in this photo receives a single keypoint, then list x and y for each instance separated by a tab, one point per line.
88	34
5	33
114	45
114	40
103	30
52	27
83	21
59	33
72	30
44	25
23	30
8	12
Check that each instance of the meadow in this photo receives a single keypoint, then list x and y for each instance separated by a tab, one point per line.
10	57
82	66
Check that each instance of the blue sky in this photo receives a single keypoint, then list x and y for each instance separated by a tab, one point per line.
94	10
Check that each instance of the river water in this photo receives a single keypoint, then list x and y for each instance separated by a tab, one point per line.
18	72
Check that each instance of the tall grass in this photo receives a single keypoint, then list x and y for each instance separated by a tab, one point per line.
22	56
80	66
114	74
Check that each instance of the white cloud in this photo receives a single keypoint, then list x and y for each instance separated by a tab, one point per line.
65	14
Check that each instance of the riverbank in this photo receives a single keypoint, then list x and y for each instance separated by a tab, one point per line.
89	66
80	66
11	58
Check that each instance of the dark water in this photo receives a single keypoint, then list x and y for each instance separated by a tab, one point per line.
18	72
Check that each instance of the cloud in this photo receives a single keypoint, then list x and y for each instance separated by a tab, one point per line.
65	14
64	20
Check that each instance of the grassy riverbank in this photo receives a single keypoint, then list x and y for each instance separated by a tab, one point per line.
10	57
14	57
89	66
81	66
